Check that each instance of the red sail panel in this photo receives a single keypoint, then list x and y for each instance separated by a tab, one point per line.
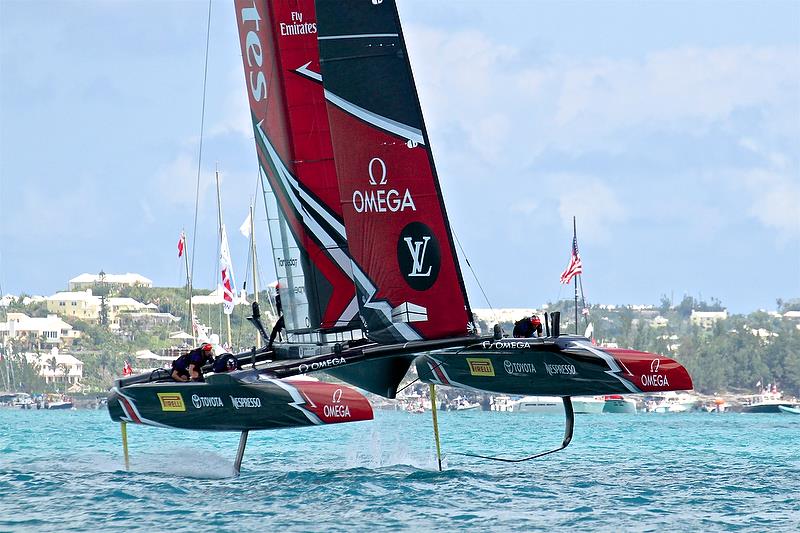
277	39
405	267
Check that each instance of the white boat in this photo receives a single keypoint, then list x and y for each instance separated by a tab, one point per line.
462	404
23	400
554	404
501	402
789	410
619	404
768	401
671	402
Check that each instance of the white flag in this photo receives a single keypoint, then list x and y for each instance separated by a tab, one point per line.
226	268
244	229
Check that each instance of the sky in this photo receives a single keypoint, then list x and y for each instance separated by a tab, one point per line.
671	130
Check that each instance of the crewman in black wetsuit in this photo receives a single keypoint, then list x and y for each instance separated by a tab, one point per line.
189	366
528	327
279	325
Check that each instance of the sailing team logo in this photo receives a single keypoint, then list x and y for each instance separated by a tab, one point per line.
419	256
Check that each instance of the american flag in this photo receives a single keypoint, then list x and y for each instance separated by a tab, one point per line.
575	266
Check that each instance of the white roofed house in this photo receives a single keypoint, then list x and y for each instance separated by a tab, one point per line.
35	331
119	306
89	281
56	366
82	304
707	319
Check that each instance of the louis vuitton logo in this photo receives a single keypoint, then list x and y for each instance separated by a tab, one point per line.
417	250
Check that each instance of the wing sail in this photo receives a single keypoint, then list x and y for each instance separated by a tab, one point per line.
296	160
405	267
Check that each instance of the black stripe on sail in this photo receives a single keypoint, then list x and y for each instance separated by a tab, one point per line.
371	71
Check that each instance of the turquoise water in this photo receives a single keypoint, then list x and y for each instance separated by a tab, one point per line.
63	471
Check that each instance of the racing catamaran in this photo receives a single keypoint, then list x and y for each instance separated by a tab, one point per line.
368	274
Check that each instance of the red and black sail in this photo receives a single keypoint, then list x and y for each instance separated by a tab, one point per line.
278	40
404	264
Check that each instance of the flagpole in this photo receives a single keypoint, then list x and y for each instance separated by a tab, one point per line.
189	285
219	219
575	240
255	266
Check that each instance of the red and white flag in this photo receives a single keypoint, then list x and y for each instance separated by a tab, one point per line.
181	244
127	370
575	266
226	268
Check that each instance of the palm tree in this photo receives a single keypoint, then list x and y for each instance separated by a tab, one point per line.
64	368
52	364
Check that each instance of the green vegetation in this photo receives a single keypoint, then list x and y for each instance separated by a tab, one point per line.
729	357
103	352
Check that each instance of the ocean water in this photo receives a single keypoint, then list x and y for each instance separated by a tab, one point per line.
64	471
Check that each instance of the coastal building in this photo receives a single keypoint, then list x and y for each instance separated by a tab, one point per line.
707	319
49	331
659	322
145	320
86	306
509	315
89	281
80	304
56	366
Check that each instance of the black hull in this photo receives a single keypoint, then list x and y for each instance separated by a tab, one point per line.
566	366
238	401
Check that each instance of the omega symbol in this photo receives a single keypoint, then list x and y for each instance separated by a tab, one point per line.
381	166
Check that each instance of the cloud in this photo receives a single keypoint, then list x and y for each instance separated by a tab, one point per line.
176	181
499	113
771	189
774	200
594	203
235	108
581	104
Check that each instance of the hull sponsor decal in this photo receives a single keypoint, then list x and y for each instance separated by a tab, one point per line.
654	378
243	403
205	401
506	345
319	365
518	369
480	366
171	401
560	370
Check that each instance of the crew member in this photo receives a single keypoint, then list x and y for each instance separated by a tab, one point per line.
226	362
189	366
280	324
528	327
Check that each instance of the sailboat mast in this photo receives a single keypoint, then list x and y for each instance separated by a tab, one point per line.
188	285
574	241
219	219
255	266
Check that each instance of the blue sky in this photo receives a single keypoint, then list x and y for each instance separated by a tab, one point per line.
670	129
